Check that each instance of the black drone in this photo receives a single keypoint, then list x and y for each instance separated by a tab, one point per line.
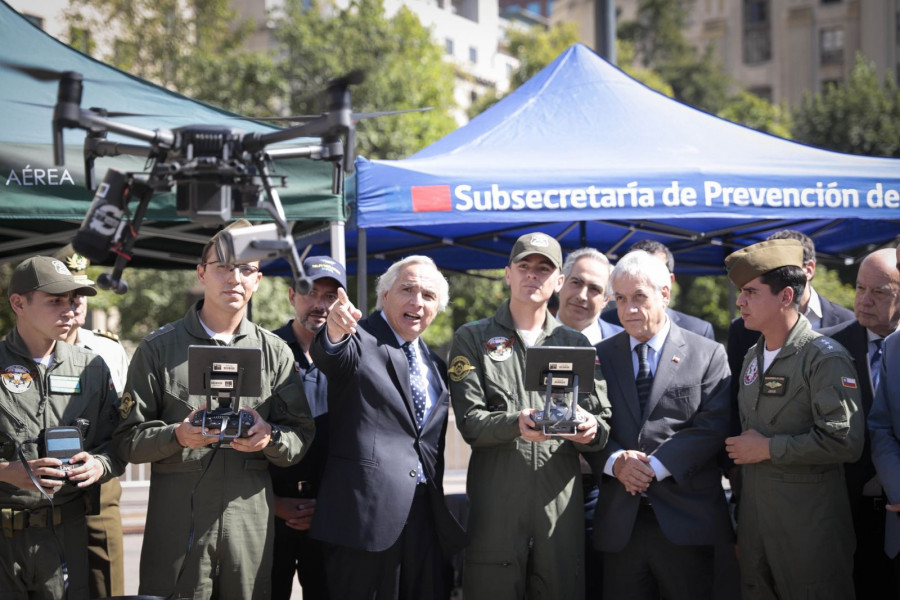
217	172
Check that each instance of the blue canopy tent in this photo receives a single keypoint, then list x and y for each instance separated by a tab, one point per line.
42	205
593	157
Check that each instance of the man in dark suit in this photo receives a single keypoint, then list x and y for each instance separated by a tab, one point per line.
819	311
295	487
884	427
381	509
685	321
877	309
583	296
661	508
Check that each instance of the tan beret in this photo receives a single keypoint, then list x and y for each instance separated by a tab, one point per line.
749	263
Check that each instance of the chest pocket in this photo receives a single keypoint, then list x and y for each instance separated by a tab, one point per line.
679	403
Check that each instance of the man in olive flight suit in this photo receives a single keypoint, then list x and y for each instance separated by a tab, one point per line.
48	383
208	499
799	407
526	520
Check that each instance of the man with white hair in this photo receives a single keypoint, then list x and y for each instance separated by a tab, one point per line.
661	509
380	510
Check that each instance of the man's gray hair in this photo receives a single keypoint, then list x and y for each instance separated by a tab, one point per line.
642	265
591	253
386	281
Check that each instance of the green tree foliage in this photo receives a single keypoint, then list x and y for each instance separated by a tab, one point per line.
194	47
753	111
656	35
404	69
861	116
534	48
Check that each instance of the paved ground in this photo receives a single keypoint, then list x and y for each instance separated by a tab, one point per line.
134	506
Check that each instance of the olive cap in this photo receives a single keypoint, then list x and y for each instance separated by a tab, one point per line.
46	274
748	263
537	243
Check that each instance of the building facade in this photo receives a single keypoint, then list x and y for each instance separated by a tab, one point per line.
777	49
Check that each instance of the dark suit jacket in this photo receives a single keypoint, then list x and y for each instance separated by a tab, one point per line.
685	321
853	337
374	444
685	426
741	339
608	329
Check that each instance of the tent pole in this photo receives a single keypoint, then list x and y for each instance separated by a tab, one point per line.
362	275
338	249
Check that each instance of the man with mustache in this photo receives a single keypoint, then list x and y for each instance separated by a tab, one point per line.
296	486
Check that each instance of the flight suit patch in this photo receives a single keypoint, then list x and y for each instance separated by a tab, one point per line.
774	386
17	379
459	369
499	348
848	382
126	405
65	384
751	373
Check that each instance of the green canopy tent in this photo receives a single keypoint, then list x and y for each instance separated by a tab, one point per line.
42	205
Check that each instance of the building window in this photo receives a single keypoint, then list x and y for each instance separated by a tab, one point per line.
533	7
764	92
757	32
831	1
473	54
448	45
831	46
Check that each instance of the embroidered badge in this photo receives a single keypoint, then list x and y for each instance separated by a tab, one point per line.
774	386
17	378
848	382
499	348
751	373
539	240
60	268
65	384
459	368
126	405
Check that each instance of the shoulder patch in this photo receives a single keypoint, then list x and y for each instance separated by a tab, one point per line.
107	334
826	345
459	368
126	404
162	330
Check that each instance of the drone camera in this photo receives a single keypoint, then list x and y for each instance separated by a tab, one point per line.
103	224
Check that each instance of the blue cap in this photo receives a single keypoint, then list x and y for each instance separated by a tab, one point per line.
317	267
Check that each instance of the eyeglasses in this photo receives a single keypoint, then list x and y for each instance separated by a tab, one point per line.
226	269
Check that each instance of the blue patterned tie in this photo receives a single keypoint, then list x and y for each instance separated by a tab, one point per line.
644	379
417	382
875	363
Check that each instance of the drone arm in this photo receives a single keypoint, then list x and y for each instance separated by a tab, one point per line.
274	208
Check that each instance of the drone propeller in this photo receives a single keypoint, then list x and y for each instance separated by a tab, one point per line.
354	116
39	73
99	111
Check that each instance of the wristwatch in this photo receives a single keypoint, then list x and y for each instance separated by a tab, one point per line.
275	436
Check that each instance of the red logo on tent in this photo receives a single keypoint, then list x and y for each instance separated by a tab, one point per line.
431	198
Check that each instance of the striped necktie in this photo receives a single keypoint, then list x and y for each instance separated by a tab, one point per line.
644	379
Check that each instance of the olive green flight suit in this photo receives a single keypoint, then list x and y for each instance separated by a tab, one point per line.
76	385
795	532
225	495
526	516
